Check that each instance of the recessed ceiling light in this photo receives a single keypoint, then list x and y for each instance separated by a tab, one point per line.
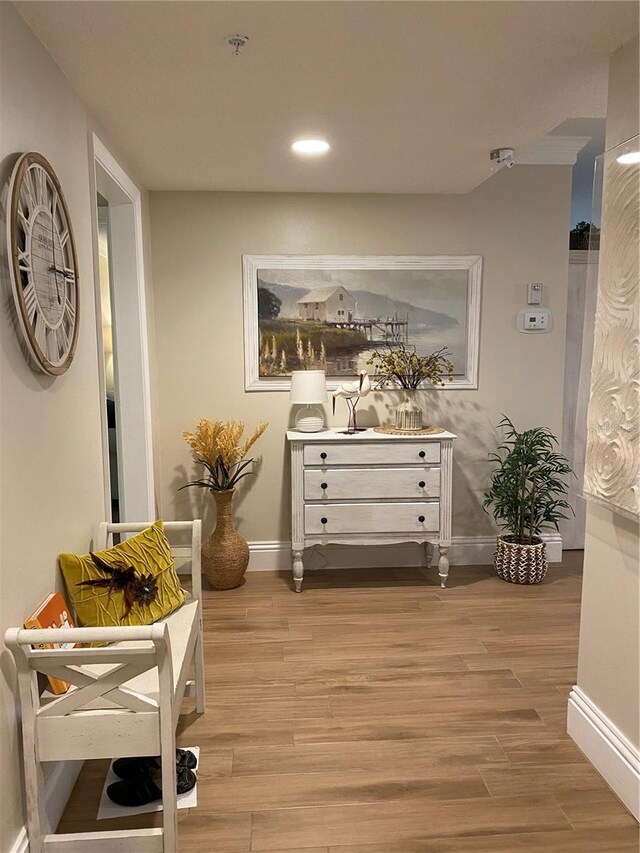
310	147
631	157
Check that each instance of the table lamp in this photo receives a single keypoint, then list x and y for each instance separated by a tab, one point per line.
308	387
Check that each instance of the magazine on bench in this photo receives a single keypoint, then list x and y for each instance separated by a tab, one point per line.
52	612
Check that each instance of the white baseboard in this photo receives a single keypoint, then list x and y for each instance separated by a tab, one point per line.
615	758
59	779
21	844
465	551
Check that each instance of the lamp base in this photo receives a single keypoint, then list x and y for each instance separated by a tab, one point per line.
309	419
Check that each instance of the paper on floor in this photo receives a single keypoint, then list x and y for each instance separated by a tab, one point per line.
108	809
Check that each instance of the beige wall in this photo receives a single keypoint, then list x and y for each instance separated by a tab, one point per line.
51	482
609	663
517	220
622	103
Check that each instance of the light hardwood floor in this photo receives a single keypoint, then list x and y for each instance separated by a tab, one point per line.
377	713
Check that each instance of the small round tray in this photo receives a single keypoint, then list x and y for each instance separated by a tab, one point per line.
391	430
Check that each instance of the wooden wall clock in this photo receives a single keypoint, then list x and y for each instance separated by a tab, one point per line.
43	264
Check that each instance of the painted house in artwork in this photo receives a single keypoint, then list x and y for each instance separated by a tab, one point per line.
328	305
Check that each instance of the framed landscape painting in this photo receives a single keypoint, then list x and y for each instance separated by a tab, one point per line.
331	312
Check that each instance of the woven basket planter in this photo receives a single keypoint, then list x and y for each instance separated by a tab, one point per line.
518	563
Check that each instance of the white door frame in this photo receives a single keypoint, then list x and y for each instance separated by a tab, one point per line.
131	348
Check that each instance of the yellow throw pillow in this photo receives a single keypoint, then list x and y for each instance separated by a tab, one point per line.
136	584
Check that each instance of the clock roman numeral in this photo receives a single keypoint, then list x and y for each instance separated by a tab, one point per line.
64	237
41	186
24	264
26	203
52	346
30	301
25	199
62	339
30	185
41	333
70	311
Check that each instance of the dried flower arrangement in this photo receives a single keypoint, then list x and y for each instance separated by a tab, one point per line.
218	446
399	365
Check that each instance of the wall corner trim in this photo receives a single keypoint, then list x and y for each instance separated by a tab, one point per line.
615	758
21	844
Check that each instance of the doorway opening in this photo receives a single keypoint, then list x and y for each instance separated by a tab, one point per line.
122	342
584	243
106	316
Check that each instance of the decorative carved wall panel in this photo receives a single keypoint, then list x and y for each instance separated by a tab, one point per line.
612	470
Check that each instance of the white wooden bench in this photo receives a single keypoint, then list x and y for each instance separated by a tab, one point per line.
125	702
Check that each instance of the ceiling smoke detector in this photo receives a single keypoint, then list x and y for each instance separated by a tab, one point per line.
500	157
237	42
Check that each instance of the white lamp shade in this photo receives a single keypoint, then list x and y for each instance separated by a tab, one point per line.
308	386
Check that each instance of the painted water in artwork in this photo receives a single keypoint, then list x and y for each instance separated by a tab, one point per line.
334	319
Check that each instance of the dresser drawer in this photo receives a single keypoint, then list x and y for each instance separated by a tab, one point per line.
376	453
329	519
355	483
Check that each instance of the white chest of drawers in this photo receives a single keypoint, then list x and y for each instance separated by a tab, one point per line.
370	489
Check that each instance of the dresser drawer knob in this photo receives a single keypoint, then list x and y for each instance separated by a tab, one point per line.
421	518
323	520
422	484
323	485
422	454
323	456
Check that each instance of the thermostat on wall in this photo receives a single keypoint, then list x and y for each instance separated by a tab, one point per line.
538	320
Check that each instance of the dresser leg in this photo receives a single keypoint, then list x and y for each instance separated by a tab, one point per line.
428	553
298	570
443	565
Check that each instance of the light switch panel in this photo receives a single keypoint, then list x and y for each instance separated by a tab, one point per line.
531	320
534	293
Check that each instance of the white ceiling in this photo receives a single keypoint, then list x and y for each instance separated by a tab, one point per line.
411	95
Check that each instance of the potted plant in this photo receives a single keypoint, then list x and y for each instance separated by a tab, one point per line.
400	366
527	494
218	446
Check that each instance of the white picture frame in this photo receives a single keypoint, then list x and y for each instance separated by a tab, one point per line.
252	264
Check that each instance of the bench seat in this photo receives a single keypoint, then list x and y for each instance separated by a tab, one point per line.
182	625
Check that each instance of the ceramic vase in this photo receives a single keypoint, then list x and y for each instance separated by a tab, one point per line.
225	554
409	413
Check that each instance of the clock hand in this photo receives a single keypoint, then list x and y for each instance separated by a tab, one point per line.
68	275
53	265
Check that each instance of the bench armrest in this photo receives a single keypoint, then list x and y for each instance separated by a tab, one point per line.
136	650
33	636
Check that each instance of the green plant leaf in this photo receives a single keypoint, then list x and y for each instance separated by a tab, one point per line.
528	484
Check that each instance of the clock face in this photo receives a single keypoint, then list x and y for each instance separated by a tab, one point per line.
43	264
